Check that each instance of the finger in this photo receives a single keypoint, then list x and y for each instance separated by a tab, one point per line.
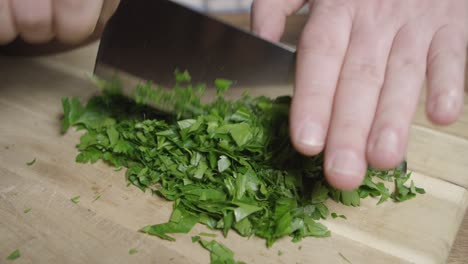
7	27
76	20
355	103
33	19
269	16
399	97
320	55
108	9
445	76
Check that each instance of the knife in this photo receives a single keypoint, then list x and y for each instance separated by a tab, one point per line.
149	39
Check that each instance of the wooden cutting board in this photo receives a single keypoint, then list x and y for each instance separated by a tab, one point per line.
102	231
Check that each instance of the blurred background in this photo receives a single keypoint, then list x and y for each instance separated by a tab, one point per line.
237	12
219	6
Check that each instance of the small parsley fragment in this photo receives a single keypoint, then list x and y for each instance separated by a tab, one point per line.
344	258
14	255
97	198
219	253
30	163
27	210
181	222
207	234
227	164
280	253
75	199
132	251
335	215
196	239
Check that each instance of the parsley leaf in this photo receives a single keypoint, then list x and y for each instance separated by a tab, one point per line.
75	199
181	222
344	258
196	239
14	255
97	198
219	253
207	234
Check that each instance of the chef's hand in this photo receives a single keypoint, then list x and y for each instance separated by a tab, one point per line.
38	21
361	65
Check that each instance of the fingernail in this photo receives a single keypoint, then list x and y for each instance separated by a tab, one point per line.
387	142
346	163
312	135
445	104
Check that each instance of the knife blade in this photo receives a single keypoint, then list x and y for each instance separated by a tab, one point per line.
149	39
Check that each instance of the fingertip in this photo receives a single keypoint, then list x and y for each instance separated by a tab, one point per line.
345	169
385	148
271	28
7	36
108	9
444	109
308	138
269	33
344	182
79	34
33	20
384	160
39	36
269	17
75	21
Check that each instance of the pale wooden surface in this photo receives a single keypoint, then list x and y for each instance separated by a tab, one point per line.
58	231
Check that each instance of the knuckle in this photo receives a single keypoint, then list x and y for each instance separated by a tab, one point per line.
407	64
316	91
445	54
363	73
397	114
354	129
321	43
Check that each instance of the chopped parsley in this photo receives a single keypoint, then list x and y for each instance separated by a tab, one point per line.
227	164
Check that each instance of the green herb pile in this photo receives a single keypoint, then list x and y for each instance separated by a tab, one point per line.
226	164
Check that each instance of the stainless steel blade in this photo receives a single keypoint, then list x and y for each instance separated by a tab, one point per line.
149	39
